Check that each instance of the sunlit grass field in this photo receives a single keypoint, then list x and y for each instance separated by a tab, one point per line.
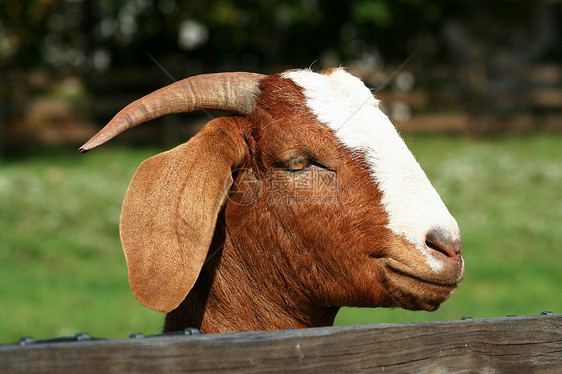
62	270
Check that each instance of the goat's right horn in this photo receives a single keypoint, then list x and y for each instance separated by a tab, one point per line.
227	92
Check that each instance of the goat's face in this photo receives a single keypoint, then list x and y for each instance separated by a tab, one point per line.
321	194
342	204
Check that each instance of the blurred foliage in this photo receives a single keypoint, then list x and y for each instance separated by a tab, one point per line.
114	51
226	34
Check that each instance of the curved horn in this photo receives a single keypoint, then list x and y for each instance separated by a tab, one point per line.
228	92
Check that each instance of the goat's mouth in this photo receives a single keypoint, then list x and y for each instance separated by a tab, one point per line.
422	279
417	290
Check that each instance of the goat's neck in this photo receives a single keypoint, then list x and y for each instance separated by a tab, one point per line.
243	289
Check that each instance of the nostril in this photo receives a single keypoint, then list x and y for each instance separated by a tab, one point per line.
441	241
435	247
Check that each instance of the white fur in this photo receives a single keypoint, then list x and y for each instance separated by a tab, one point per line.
343	103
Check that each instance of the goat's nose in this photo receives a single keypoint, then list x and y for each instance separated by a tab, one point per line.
442	241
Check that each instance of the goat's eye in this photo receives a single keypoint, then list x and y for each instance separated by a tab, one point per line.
297	163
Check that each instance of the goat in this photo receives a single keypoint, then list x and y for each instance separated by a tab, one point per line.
305	200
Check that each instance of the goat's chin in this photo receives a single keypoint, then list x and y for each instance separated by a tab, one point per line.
409	291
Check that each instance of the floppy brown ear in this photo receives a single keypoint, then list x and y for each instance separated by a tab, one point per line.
170	210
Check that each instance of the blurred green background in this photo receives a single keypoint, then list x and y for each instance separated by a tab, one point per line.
474	87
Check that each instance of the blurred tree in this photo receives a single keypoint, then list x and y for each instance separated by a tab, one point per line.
218	34
88	37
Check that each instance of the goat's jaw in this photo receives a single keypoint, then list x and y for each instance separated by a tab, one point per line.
413	283
408	291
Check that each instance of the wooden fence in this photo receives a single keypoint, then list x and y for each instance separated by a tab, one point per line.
499	345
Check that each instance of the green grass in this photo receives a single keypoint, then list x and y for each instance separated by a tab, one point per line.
62	270
61	267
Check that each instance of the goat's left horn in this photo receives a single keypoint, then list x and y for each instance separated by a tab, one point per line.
227	92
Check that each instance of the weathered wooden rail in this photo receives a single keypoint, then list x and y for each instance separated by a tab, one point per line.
499	345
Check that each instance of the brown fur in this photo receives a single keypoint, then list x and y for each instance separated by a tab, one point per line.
306	243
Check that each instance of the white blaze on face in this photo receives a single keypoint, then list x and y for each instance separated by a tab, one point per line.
343	103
